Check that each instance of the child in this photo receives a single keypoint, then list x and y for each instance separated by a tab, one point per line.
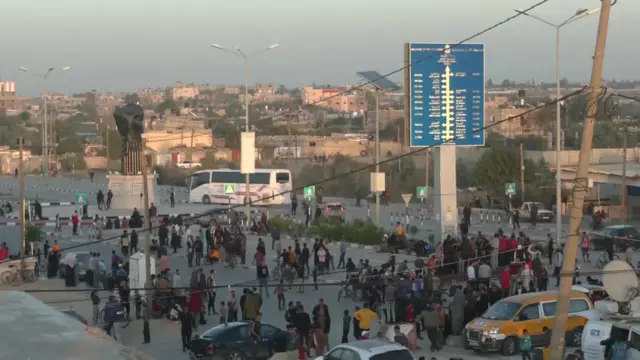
525	345
346	325
280	293
223	313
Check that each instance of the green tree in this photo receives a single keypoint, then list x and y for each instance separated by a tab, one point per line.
233	110
73	162
115	145
168	104
24	116
131	98
499	166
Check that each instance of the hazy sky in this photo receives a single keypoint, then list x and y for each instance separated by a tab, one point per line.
124	45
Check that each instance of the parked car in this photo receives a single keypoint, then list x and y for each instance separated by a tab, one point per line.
544	215
617	234
81	257
372	349
188	164
233	342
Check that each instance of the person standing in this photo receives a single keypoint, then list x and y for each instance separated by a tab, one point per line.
172	198
124	243
321	316
557	265
534	215
109	198
346	325
186	329
255	335
525	345
74	222
515	218
133	244
95	303
211	292
199	247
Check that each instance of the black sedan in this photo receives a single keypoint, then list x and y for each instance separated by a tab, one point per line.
233	342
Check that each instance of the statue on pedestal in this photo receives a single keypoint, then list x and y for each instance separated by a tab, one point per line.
130	122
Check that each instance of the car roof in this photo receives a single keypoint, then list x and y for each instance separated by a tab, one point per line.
616	227
548	295
334	204
368	348
586	287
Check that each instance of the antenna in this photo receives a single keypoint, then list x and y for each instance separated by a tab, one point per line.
620	282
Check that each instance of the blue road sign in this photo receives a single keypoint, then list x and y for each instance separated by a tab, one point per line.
510	189
447	94
81	198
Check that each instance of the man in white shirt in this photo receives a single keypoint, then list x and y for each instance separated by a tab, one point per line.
471	274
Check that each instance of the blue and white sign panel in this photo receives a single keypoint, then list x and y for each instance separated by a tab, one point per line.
447	94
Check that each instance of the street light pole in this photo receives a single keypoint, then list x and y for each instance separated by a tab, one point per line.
246	58
45	125
579	14
377	153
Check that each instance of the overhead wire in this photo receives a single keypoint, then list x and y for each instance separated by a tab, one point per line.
373	81
337	176
410	153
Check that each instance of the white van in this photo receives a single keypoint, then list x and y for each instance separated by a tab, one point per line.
597	331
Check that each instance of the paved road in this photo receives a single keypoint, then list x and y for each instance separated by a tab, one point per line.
166	340
165	335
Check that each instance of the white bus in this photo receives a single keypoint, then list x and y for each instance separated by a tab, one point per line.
227	186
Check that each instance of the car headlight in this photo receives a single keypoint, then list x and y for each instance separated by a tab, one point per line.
493	331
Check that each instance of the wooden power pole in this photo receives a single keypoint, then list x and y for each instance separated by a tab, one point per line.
522	170
623	183
581	185
146	332
106	143
22	207
191	147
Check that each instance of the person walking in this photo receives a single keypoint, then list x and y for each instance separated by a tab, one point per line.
343	253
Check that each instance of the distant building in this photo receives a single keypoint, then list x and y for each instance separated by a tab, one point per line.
519	125
149	96
9	99
265	88
232	90
332	98
184	92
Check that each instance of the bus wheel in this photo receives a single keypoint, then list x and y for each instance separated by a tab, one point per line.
206	199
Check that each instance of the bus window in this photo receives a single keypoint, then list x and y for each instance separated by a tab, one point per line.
198	179
235	177
282	178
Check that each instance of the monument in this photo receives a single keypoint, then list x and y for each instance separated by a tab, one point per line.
127	186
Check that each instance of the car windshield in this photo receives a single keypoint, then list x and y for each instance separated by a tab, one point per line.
215	332
393	355
502	310
540	206
335	207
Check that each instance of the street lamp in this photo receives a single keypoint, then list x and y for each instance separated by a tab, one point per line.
45	125
579	14
245	57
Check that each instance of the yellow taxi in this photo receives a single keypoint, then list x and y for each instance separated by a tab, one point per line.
499	328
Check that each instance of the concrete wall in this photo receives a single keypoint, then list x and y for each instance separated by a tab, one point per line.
96	162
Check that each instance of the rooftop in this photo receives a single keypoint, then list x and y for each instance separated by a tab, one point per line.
633	169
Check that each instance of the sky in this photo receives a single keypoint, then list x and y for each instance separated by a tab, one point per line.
125	45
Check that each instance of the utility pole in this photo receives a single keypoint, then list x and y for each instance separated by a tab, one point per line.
53	141
106	141
426	173
146	331
22	207
191	148
557	346
623	185
522	170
